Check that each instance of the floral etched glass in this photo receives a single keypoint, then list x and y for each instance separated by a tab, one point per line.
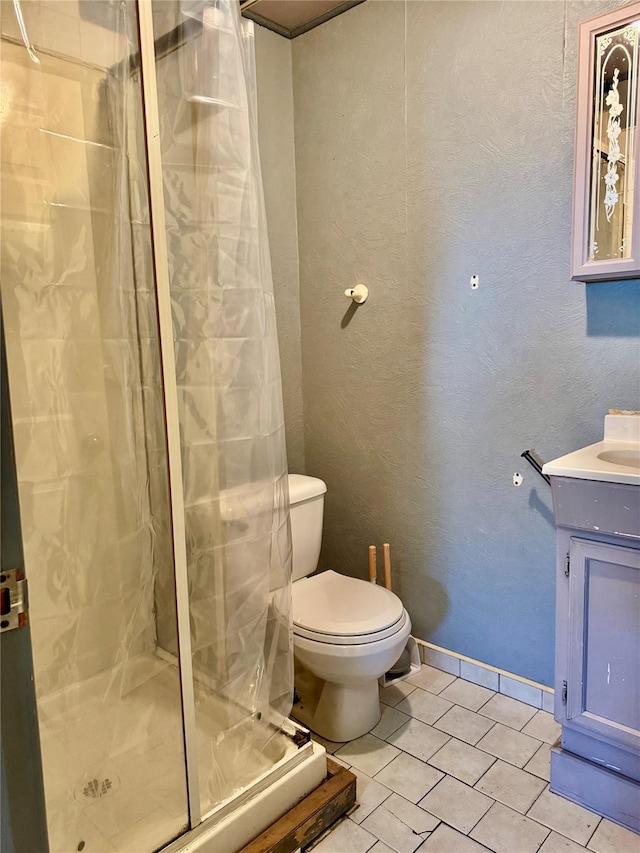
613	143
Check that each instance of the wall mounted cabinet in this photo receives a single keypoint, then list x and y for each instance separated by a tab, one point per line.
606	212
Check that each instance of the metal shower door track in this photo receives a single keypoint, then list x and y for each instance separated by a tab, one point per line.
170	393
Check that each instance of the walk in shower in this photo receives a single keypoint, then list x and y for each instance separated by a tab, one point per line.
148	426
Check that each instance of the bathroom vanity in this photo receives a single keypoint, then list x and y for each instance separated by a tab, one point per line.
596	499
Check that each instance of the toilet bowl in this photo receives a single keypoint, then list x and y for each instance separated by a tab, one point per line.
347	632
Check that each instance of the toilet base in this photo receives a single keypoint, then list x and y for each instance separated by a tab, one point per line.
337	712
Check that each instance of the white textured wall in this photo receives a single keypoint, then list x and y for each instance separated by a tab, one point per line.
434	141
275	130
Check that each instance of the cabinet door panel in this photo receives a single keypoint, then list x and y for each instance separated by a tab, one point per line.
604	667
612	640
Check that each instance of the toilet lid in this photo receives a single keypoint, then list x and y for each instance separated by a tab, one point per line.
330	603
353	639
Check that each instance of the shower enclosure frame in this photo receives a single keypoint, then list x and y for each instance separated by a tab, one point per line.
297	772
160	257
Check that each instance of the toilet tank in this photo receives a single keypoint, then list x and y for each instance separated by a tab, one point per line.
306	498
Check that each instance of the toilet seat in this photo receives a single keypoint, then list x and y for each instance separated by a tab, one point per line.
352	639
336	609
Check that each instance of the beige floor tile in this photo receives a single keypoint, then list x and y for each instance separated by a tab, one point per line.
505	831
508	744
470	696
540	764
511	786
564	816
415	817
390	721
556	843
432	679
409	777
611	838
393	831
330	745
463	724
369	795
341	761
456	804
543	726
462	761
447	840
418	739
424	706
381	847
367	753
508	711
396	693
347	837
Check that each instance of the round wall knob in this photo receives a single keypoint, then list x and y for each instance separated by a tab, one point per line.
359	293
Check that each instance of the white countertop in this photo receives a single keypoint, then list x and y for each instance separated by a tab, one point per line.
588	464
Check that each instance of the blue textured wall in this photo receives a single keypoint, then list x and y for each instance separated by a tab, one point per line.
434	141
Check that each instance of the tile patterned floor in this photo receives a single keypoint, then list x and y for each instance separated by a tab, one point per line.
456	768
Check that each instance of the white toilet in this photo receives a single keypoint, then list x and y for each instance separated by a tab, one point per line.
347	632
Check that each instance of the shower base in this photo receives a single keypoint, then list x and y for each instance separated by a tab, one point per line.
266	801
114	767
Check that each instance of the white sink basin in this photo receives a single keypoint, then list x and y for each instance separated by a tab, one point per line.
627	458
610	461
616	459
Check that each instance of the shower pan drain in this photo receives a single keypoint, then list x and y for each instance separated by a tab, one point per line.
95	787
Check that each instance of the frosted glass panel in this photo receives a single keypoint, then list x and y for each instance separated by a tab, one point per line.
613	148
82	352
80	311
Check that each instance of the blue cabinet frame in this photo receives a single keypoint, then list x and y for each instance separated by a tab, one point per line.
597	673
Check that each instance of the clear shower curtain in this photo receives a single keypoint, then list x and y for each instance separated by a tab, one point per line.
82	353
81	320
230	397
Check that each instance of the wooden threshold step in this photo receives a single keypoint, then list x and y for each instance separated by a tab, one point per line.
311	816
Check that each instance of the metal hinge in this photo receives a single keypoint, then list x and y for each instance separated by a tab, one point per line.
567	565
14	600
564	692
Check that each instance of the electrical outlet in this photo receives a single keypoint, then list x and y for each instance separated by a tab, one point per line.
474	282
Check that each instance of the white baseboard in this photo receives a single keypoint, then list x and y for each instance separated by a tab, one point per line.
508	683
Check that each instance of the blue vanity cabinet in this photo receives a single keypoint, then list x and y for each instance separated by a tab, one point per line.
597	679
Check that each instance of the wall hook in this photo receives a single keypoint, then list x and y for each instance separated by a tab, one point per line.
359	293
